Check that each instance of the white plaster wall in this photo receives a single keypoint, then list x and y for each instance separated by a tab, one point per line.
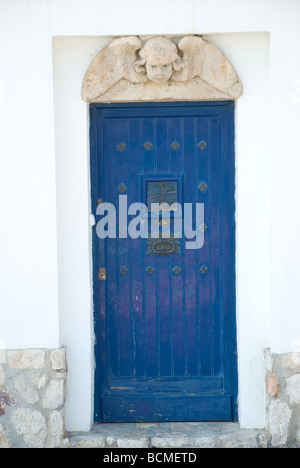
284	181
28	246
32	162
251	54
71	59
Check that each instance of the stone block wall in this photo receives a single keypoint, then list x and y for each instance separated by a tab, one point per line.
283	398
32	398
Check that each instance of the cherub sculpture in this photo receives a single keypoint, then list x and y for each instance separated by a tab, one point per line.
158	61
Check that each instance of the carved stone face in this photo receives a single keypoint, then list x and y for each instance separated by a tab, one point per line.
159	58
159	68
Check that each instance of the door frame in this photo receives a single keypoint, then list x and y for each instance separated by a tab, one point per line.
95	193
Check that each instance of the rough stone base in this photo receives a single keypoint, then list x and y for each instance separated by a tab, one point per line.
32	398
33	393
283	398
170	435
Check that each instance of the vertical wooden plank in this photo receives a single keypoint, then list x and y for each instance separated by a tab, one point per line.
123	309
152	333
228	313
164	315
152	346
204	255
98	289
165	262
176	132
148	142
162	145
190	256
111	248
215	236
137	270
179	339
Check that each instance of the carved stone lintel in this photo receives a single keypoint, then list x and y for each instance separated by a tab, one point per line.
159	69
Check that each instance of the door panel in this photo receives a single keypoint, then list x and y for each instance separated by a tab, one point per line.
165	324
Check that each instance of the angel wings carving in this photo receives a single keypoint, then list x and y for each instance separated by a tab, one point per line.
159	61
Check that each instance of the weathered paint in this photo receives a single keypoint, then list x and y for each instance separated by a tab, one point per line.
166	341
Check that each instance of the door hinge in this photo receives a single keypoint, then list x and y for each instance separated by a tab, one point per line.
102	274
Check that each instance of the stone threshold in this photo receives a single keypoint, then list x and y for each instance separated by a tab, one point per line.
170	435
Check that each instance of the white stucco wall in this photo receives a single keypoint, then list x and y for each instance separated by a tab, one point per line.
45	247
28	246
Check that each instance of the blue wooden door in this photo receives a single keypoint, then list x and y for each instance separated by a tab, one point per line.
165	324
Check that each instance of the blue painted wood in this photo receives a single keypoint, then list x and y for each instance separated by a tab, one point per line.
172	408
165	343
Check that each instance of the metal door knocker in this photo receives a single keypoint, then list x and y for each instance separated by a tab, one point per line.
160	246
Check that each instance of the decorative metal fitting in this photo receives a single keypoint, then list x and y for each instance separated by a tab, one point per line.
148	146
175	145
102	274
123	270
203	270
121	146
162	246
122	188
202	145
177	270
203	187
150	270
